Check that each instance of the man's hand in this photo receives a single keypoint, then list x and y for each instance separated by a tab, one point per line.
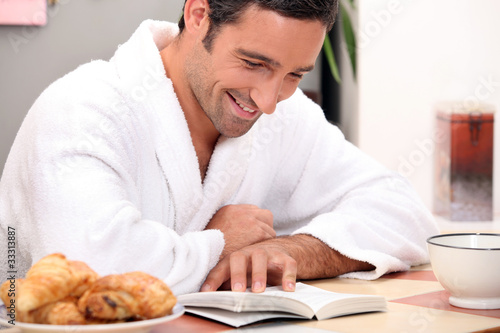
242	225
280	261
263	263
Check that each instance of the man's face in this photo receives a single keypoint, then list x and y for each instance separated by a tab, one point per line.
252	66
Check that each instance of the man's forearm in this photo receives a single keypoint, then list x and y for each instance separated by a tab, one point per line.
317	260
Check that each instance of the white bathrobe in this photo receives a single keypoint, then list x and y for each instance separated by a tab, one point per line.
103	170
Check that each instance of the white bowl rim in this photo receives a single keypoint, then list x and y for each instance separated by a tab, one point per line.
430	239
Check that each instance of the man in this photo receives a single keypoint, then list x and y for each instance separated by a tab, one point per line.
192	156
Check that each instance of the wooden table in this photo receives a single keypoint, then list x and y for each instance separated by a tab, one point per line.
416	303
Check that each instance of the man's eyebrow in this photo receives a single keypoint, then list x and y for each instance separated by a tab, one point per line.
271	62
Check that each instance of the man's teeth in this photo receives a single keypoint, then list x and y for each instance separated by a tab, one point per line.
244	107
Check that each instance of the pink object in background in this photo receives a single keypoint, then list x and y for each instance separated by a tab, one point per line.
23	12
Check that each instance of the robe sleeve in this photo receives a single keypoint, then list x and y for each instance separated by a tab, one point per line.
345	198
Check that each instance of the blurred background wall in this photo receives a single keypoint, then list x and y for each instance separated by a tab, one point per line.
411	55
77	32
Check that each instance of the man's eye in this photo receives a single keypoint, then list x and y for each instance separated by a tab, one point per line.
251	64
297	75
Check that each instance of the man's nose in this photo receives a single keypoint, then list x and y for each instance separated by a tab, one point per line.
267	94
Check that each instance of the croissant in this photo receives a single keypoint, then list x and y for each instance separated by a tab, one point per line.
84	276
63	312
127	295
9	289
49	280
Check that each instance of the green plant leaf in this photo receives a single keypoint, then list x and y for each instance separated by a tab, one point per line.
330	57
349	37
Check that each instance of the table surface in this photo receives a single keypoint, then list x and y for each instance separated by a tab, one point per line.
416	303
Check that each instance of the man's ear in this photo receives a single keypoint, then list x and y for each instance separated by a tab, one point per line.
195	14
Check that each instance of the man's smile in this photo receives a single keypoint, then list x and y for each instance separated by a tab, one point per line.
244	107
241	109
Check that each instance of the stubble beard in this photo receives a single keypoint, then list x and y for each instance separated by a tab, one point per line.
217	108
224	121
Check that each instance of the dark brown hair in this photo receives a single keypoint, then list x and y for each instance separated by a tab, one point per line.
229	12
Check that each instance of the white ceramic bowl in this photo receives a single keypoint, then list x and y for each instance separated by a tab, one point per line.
468	266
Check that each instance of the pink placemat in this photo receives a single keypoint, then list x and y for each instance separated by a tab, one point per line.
439	300
23	12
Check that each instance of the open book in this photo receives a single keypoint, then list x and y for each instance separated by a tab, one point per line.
238	309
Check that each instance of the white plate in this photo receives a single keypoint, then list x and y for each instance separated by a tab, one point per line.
141	326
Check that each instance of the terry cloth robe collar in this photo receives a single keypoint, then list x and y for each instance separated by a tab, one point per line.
146	88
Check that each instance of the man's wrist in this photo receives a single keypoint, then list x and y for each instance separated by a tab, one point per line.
315	259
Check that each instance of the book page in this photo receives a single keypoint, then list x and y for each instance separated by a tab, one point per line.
237	319
317	298
273	299
306	301
241	308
